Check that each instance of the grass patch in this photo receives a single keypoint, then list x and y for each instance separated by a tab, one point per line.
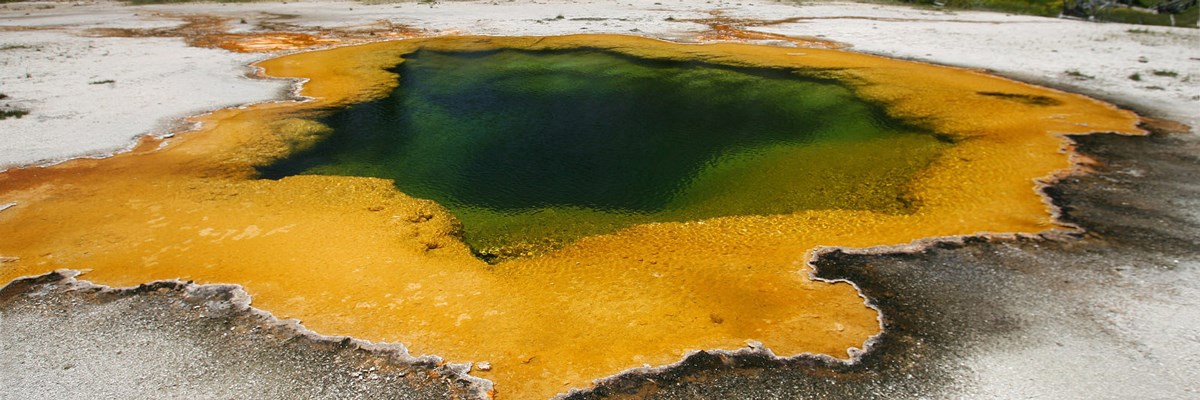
102	82
1045	8
1053	8
3	96
6	114
1187	18
1137	76
1167	73
1078	75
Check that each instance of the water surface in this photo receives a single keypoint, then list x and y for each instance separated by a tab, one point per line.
532	150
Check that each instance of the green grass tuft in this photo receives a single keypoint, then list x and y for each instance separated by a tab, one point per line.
6	114
1078	75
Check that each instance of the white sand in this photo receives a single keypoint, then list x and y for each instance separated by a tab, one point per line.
155	82
158	81
1148	348
1034	49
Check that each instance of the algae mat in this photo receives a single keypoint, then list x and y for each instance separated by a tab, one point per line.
355	256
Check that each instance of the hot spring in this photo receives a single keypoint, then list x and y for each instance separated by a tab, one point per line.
531	150
648	199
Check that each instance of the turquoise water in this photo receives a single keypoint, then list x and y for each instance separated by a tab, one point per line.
532	150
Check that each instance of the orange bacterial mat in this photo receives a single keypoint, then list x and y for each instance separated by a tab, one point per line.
354	256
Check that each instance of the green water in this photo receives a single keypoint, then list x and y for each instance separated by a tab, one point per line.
532	150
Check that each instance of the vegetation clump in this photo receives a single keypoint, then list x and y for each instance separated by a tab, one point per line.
1145	12
11	113
1074	73
6	114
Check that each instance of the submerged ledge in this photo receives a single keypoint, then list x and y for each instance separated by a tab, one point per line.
352	256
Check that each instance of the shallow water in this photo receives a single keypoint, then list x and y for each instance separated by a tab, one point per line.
532	150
